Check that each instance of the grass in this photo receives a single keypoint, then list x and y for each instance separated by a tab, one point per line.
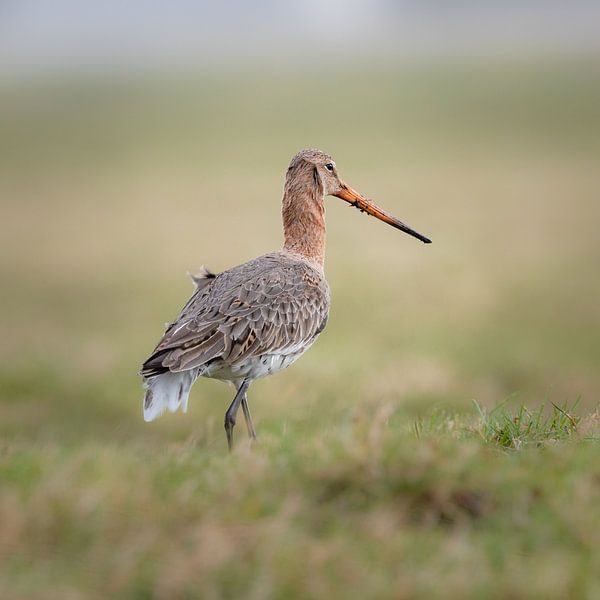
376	475
525	426
364	508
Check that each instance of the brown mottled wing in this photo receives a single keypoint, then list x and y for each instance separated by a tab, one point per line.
272	304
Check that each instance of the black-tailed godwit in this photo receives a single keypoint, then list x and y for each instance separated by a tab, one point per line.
259	317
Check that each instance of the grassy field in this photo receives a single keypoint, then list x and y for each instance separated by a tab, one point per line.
395	459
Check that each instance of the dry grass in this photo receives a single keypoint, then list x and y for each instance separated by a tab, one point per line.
365	508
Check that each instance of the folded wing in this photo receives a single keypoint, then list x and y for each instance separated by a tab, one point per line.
272	304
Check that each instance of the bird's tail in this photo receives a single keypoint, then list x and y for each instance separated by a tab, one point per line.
167	390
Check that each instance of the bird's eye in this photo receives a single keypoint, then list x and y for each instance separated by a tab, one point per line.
329	166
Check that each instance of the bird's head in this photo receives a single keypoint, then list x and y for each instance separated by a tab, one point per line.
317	171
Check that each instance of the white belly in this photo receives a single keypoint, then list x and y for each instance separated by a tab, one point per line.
252	368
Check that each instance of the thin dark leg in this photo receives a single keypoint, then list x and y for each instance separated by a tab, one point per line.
231	413
249	424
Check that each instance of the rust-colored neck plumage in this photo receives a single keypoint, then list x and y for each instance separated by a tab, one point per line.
303	213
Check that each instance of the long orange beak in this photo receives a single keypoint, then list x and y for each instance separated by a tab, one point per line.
355	199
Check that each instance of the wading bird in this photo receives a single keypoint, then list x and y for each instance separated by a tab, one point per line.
259	317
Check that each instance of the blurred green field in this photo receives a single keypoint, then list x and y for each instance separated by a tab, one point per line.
111	191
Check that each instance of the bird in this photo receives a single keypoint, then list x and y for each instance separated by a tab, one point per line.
259	317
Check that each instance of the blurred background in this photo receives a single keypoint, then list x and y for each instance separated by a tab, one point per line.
140	140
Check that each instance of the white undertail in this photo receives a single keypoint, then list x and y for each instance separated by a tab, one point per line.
167	391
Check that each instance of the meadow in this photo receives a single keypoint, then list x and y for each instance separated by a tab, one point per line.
441	437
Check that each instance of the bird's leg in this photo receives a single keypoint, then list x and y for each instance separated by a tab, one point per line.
231	413
249	425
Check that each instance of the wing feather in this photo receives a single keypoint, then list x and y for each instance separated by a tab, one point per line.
268	305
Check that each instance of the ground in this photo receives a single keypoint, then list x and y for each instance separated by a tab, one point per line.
383	468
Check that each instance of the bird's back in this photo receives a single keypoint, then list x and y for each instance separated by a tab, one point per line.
275	304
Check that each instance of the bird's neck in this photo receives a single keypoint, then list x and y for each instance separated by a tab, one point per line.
303	213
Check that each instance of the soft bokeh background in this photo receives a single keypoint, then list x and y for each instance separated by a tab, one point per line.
141	140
